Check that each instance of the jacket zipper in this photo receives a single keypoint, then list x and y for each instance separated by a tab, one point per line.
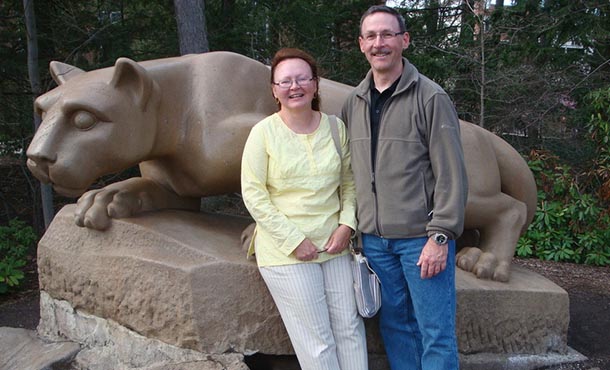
374	166
373	186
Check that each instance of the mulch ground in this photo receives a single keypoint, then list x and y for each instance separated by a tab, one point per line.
588	288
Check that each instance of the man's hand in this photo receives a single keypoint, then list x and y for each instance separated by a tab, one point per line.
433	259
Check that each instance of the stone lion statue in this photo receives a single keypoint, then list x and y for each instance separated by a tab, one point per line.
185	120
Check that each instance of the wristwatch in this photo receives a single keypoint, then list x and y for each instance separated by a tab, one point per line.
440	238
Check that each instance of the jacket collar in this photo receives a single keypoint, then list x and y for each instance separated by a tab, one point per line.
409	76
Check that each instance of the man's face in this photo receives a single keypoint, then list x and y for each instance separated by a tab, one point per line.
382	43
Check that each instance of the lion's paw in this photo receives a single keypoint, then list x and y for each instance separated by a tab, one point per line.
96	208
502	272
484	265
467	258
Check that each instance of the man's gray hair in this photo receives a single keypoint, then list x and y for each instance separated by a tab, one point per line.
385	9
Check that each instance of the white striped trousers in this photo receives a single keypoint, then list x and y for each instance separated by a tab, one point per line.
318	308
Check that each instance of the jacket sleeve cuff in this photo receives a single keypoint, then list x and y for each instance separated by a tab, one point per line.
435	230
291	243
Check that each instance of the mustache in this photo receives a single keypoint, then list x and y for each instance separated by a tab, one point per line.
381	50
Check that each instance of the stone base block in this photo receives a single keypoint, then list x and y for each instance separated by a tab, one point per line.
528	315
176	276
182	278
106	345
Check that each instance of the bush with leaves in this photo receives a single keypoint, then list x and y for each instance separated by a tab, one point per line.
599	132
15	242
570	225
572	221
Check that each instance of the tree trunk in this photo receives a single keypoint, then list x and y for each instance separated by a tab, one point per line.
480	16
34	76
192	32
483	91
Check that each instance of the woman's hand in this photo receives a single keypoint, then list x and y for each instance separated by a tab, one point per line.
339	240
306	251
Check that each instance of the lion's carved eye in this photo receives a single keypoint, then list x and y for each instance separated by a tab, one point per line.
84	120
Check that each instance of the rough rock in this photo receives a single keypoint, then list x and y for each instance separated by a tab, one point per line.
107	345
182	278
22	349
528	315
179	277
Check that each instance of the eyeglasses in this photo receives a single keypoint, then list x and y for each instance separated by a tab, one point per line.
385	35
301	82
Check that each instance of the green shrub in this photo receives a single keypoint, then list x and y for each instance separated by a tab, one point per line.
569	225
598	129
15	241
572	221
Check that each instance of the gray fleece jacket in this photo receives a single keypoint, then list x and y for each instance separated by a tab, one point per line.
419	186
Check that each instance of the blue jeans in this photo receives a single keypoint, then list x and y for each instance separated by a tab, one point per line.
417	317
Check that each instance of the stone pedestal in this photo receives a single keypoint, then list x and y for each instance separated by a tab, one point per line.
528	315
182	278
176	276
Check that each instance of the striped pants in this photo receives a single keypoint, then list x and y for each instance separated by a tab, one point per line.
318	308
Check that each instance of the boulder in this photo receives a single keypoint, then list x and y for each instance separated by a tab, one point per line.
528	315
182	278
23	349
106	345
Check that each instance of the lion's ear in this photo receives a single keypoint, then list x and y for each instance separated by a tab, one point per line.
133	79
62	72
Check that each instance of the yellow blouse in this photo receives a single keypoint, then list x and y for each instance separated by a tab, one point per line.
290	185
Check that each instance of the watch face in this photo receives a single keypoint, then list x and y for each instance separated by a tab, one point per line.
440	239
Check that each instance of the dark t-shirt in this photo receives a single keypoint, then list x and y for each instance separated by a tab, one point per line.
378	100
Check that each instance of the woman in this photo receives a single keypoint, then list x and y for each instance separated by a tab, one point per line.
290	184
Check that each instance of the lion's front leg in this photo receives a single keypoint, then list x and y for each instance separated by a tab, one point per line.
96	208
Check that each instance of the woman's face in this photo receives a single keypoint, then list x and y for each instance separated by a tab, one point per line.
294	85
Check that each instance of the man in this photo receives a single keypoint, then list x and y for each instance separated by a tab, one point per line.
411	192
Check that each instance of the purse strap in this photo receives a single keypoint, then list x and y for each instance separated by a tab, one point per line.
354	245
334	133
